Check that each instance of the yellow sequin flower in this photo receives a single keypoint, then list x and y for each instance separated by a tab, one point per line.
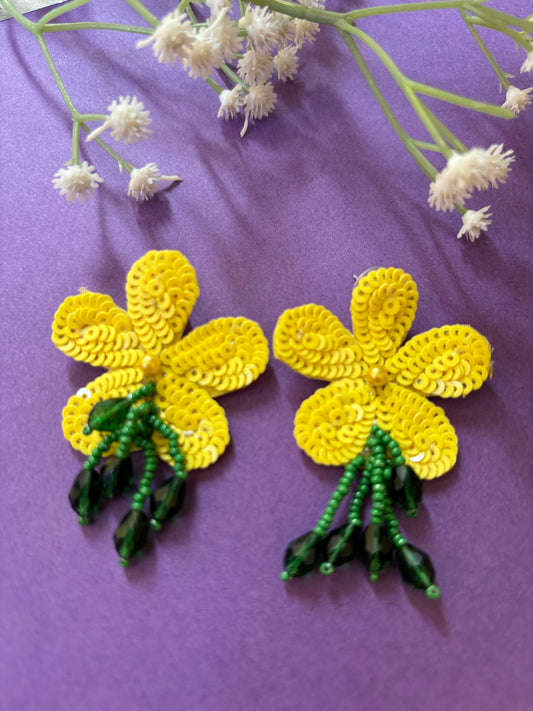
144	343
374	379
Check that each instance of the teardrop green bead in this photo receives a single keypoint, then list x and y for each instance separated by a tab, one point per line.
167	500
85	494
303	554
131	535
108	415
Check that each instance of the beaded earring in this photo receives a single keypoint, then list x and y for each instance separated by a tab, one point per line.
374	419
158	394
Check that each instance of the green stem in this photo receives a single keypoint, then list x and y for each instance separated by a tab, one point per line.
498	19
57	11
234	77
405	84
19	17
76	142
59	82
410	145
518	37
66	26
447	134
212	83
143	12
472	104
404	7
122	164
483	47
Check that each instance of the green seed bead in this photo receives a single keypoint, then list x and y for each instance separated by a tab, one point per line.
138	497
285	576
137	506
433	592
399	461
144	490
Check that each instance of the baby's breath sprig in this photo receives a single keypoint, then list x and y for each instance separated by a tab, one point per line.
242	49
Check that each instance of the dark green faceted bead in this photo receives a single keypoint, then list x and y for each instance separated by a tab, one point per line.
341	544
117	475
375	548
406	488
131	535
303	554
167	500
108	415
415	566
86	493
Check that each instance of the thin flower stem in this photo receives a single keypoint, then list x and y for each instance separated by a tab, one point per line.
143	12
57	11
91	117
447	134
408	142
122	164
404	7
62	90
65	26
498	19
76	142
184	4
425	145
483	47
405	84
212	83
19	17
450	98
234	77
518	37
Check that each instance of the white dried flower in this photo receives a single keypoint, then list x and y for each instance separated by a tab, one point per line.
144	182
305	31
259	102
171	38
517	99
283	27
231	102
204	55
255	67
527	66
128	121
77	182
217	6
260	27
474	223
286	63
464	172
225	32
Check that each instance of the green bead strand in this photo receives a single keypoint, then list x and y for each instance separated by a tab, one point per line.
343	487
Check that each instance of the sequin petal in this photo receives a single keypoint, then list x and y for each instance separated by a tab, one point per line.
116	383
383	308
315	343
198	420
333	424
424	433
221	356
89	327
450	361
162	289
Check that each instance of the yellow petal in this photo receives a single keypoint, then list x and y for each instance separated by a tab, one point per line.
198	420
449	361
91	328
162	289
117	383
315	343
221	356
332	425
383	308
424	433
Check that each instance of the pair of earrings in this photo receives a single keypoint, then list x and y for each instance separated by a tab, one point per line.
373	418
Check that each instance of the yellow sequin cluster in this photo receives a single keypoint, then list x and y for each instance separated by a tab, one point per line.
449	361
89	327
221	356
374	379
383	307
144	342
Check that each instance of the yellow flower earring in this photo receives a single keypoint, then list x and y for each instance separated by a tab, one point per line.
158	393
374	418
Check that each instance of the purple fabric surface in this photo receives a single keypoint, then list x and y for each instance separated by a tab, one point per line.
318	192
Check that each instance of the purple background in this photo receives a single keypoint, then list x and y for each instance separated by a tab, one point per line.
318	192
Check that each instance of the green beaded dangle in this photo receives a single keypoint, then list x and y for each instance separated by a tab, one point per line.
388	480
130	422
